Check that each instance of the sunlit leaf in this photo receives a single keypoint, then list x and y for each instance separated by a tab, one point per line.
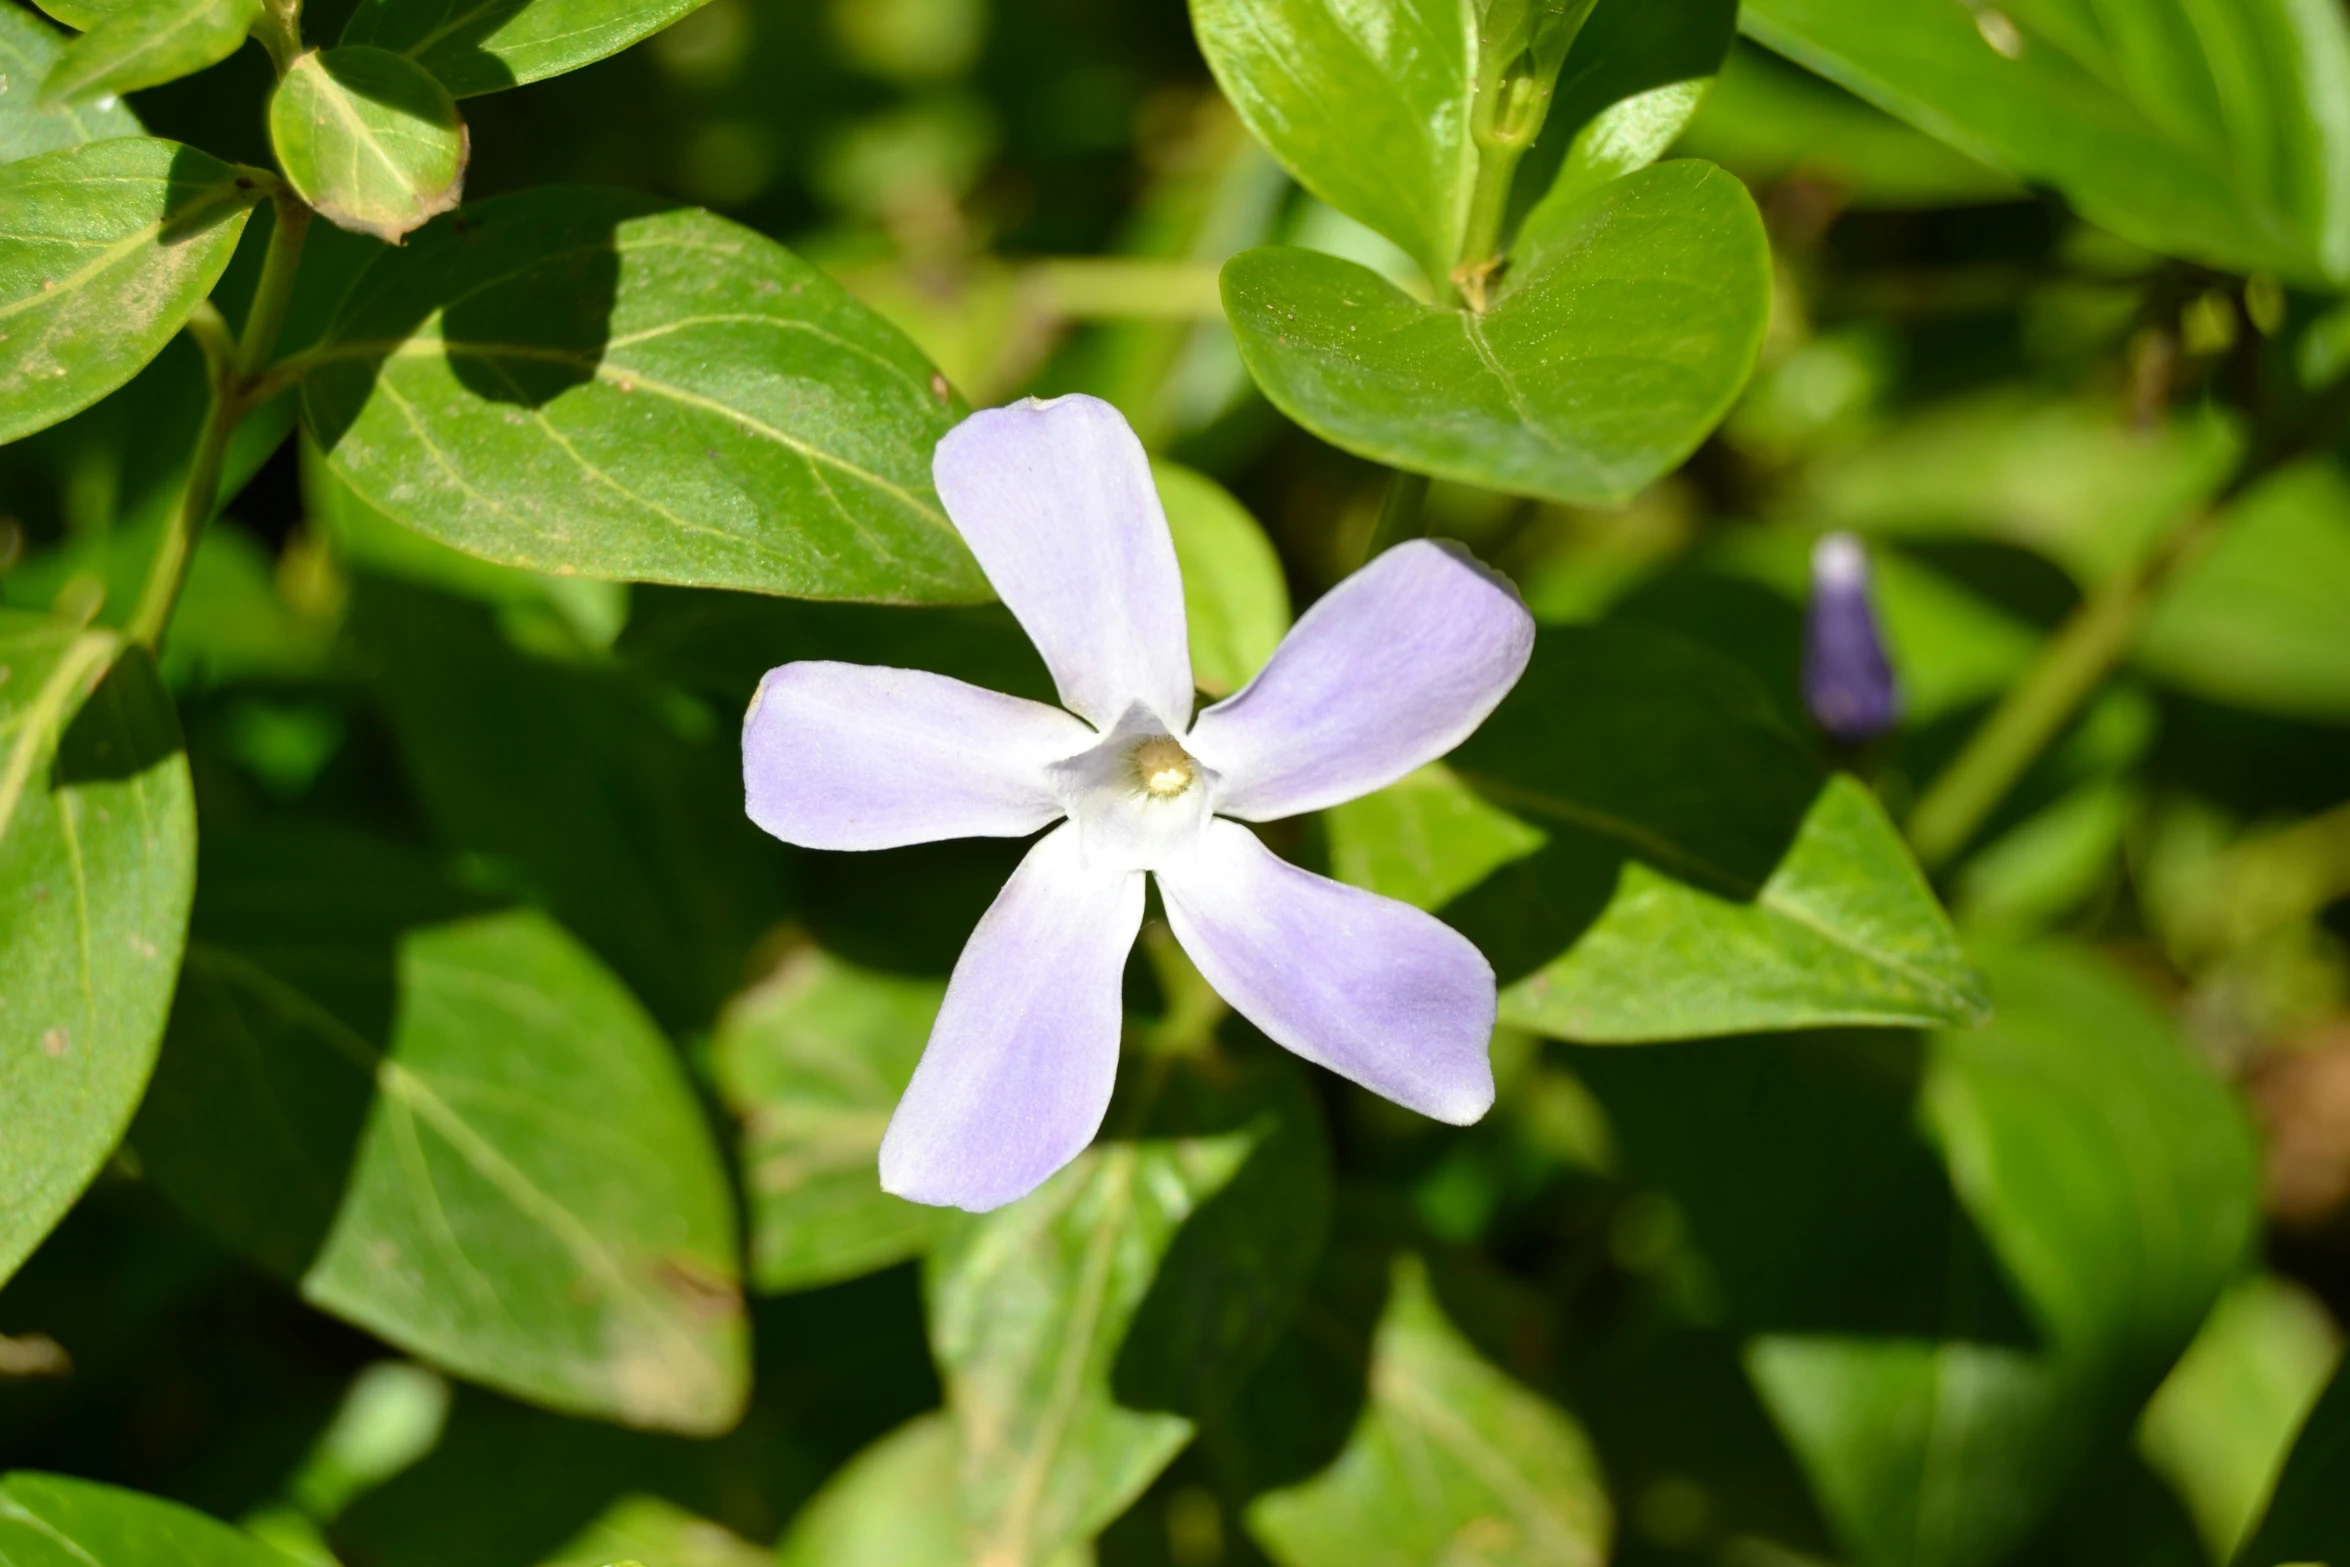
28	47
97	865
1234	596
144	43
896	1504
2306	1521
105	251
51	1521
369	139
479	46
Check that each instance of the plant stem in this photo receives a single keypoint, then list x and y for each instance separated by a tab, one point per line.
2084	651
234	380
279	30
1399	513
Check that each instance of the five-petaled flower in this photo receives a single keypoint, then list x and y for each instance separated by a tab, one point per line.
1389	670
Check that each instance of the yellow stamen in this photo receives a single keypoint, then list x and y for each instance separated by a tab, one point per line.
1165	769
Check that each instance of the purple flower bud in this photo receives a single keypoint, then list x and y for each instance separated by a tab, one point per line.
1847	682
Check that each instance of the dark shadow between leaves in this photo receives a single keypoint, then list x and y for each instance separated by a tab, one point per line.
195	202
1798	1165
124	729
455	54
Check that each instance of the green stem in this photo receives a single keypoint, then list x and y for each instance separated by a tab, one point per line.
2083	653
1399	513
279	28
235	380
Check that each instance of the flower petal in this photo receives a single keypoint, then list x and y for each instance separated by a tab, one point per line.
849	756
1056	500
1018	1070
1390	669
1371	988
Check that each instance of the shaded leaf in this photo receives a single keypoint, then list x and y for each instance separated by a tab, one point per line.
369	139
479	46
28	47
1452	1461
2306	1521
813	1061
105	251
473	1142
144	43
2207	132
579	381
1645	854
97	865
1635	75
51	1521
1619	336
1235	599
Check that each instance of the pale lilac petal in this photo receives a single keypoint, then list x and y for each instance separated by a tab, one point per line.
1389	670
1371	988
1056	500
1018	1070
850	756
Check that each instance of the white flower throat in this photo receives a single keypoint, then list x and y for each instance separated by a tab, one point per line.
1163	767
1138	797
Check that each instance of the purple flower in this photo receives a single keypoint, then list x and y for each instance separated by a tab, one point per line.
1391	669
1847	681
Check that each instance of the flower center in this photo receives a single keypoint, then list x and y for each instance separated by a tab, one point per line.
1164	767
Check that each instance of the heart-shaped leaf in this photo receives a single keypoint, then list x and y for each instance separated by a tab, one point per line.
144	43
465	1137
105	251
2210	132
479	46
580	381
28	47
368	138
1646	854
1618	338
97	865
49	1519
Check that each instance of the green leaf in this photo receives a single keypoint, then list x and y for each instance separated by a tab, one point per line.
465	1137
144	43
1452	1461
1645	854
2208	132
893	1505
813	1061
649	1529
51	1521
480	46
1619	336
2115	1181
1635	75
1235	598
28	47
97	865
2256	619
1367	105
106	249
581	382
2306	1521
368	138
1064	1324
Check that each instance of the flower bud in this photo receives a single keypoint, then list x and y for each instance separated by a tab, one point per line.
1847	682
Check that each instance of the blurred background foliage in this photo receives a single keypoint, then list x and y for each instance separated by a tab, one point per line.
1887	1298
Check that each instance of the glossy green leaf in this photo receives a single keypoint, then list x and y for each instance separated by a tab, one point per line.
893	1505
479	46
51	1521
369	139
97	865
581	382
464	1136
2256	619
1053	1319
1367	105
144	43
1635	75
2210	132
105	251
1235	599
28	47
813	1061
2306	1521
1452	1461
1645	854
2114	1180
1617	339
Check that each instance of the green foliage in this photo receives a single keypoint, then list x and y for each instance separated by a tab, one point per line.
1234	597
2305	1521
641	393
2212	133
142	43
369	138
97	863
480	46
1619	336
28	47
105	250
51	1521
